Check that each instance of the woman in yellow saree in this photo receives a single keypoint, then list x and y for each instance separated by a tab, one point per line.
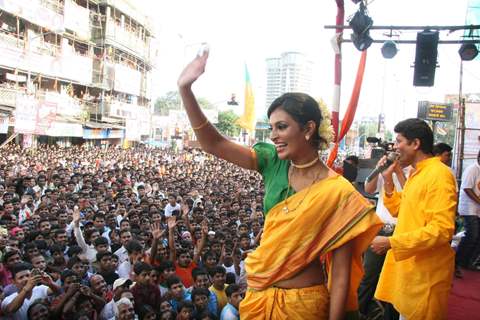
316	223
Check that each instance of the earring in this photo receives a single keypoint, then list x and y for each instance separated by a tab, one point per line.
307	137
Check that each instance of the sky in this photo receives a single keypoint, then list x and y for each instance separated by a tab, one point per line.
248	32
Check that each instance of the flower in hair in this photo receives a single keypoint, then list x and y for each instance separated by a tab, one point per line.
325	129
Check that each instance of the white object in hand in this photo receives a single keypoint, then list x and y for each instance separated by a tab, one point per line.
203	49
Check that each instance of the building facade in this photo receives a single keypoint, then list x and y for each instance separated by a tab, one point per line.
74	71
291	72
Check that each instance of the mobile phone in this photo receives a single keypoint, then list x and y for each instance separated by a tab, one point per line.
36	272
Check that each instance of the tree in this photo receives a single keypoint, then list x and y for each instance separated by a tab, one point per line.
205	104
226	123
170	101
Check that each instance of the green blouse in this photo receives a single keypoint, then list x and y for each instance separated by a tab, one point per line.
275	175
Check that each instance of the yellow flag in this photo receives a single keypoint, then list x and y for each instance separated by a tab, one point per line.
247	120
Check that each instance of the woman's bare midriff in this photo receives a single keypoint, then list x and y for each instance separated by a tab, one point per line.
312	275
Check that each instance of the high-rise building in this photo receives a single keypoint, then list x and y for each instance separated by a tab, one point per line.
74	71
290	72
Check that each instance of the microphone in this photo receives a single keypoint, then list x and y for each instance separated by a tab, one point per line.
392	156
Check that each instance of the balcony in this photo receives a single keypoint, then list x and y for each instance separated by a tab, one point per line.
45	13
129	41
8	96
45	59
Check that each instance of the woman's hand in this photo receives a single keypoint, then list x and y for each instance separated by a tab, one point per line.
193	70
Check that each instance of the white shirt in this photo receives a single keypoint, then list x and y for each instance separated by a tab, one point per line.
38	292
88	250
470	180
382	211
124	270
122	254
169	209
108	311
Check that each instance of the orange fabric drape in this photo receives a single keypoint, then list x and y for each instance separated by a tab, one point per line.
352	108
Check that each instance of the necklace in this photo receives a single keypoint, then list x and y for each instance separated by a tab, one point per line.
306	165
285	208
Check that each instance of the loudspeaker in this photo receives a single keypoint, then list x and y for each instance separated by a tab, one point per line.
425	58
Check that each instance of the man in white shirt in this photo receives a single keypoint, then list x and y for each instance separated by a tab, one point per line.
31	286
373	262
135	253
171	206
122	254
469	208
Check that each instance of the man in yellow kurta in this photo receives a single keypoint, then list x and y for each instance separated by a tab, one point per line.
418	269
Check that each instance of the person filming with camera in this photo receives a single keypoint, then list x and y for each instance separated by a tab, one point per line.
417	273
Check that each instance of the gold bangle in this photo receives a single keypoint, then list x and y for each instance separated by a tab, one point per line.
389	194
201	126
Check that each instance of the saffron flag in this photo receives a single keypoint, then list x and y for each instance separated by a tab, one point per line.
247	120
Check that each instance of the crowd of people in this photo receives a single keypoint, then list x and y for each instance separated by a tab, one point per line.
230	232
109	233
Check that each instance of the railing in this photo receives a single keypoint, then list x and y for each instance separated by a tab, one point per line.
8	96
54	5
129	39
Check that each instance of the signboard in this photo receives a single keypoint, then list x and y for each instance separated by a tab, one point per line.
33	116
435	111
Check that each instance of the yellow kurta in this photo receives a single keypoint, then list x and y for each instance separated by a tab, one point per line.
418	270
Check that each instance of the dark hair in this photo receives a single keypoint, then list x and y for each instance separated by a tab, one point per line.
19	267
36	303
173	280
59	231
198	272
200	292
232	289
231	278
140	267
100	240
164	265
415	128
74	250
185	304
100	255
440	148
10	254
218	269
123	231
67	273
98	215
73	261
302	108
209	254
133	246
144	310
244	236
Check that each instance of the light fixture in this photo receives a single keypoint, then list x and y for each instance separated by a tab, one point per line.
468	51
360	24
389	49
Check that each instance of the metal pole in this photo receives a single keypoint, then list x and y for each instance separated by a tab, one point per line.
460	125
449	28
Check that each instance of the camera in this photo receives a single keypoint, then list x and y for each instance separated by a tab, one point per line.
36	272
379	147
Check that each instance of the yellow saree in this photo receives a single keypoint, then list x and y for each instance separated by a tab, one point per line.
328	215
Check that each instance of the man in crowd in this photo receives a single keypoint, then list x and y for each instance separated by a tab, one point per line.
469	208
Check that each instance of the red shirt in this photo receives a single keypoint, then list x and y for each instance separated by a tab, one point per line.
146	294
185	274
